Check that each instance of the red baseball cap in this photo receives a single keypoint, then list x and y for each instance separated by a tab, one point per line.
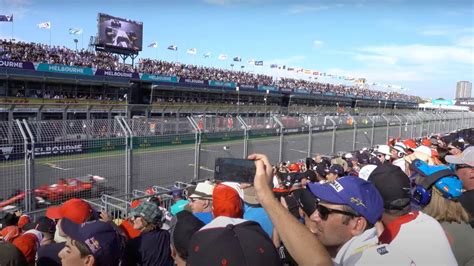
226	202
410	143
426	142
76	210
294	167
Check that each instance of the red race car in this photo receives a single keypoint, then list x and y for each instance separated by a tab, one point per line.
83	187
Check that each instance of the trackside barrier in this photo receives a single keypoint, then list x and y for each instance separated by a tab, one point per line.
51	161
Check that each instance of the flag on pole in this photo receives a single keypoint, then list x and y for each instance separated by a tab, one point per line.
242	66
237	59
273	66
251	62
259	63
45	25
75	31
6	18
207	55
173	47
192	51
222	57
153	45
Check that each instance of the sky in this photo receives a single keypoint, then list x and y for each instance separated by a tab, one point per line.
424	47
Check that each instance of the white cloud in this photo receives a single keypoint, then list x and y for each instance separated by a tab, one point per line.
295	59
376	59
317	43
421	54
301	8
219	2
465	41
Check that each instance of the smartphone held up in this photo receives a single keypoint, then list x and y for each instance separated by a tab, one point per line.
234	170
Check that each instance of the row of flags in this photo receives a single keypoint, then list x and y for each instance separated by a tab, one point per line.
194	51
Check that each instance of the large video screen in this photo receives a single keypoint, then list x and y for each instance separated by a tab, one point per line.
120	33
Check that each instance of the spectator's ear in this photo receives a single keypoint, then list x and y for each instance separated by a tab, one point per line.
89	260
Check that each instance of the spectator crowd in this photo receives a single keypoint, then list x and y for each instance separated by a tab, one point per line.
41	53
407	202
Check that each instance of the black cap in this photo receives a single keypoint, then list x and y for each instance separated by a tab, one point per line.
363	158
45	225
306	200
321	169
336	169
230	241
186	225
393	184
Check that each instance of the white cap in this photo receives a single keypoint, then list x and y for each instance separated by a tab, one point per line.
384	149
365	171
466	157
423	149
399	146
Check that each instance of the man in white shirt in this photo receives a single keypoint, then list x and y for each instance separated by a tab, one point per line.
414	233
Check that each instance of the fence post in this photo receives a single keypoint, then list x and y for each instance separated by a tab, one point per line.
30	178
388	127
372	131
400	126
197	147
354	133
333	142
246	135
310	134
280	153
27	199
128	153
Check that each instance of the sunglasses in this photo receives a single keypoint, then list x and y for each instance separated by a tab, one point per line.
324	212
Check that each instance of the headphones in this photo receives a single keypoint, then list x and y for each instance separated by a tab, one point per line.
450	187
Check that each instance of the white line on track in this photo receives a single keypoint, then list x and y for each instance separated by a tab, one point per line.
305	152
202	168
209	150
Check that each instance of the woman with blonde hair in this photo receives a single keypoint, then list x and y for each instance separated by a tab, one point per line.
437	191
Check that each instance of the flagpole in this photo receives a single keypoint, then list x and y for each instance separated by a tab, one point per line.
50	37
82	40
11	38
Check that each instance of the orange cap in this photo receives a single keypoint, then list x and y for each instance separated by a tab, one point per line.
426	142
23	220
75	210
294	167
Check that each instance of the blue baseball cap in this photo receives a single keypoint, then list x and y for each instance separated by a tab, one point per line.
360	195
102	240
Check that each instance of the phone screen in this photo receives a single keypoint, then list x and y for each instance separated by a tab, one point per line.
235	170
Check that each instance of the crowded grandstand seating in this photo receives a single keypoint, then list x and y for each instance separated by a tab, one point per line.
41	53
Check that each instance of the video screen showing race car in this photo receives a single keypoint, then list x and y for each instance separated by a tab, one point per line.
120	33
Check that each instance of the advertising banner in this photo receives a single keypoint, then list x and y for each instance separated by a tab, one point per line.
159	78
265	88
14	64
120	74
193	82
246	87
65	69
54	149
222	84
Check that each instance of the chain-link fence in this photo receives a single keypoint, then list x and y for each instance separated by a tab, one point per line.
14	166
50	161
77	158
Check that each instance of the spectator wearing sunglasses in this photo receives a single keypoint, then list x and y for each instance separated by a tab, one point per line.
346	212
464	165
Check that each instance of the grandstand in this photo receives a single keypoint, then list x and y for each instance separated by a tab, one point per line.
42	82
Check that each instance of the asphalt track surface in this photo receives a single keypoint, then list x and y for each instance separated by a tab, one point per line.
166	165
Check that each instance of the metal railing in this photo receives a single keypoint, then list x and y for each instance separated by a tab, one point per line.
47	162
